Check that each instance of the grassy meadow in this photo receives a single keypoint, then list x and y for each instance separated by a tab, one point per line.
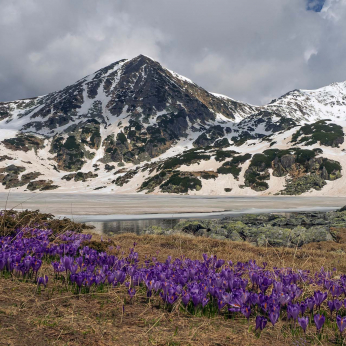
60	314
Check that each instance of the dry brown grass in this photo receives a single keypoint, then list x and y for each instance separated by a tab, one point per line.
61	318
11	220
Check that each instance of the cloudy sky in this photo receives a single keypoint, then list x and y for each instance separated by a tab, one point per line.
250	50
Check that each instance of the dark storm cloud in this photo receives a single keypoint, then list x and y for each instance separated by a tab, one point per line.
249	50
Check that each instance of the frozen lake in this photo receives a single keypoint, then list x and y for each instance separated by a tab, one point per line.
132	213
98	207
125	205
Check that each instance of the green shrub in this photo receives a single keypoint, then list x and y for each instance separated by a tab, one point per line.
240	159
304	155
331	166
208	175
235	171
222	155
186	158
71	143
121	138
181	184
261	184
325	133
259	159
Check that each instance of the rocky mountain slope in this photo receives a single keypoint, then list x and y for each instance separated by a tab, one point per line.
137	127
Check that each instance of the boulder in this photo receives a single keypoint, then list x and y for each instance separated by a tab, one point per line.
287	161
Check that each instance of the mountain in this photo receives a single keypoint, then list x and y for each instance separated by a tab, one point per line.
137	127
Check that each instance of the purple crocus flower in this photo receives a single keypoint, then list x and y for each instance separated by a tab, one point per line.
335	290
274	314
67	261
265	306
310	302
320	297
341	322
293	311
286	279
79	261
303	322
330	304
278	286
196	299
157	285
221	303
319	321
253	277
219	263
328	284
79	280
334	305
264	283
284	298
337	304
73	268
254	299
303	307
261	322
205	301
43	280
246	311
36	265
171	298
120	276
131	292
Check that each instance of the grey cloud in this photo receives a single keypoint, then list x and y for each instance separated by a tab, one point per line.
249	50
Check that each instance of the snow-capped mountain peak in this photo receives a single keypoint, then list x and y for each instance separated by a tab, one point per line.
135	126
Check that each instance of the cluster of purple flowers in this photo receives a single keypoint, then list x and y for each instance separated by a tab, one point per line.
22	254
209	284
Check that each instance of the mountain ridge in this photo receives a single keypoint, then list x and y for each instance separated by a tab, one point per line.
117	128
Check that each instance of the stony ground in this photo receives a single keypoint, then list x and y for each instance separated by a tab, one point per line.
285	229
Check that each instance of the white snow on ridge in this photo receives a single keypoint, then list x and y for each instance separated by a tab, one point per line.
222	96
176	75
308	106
